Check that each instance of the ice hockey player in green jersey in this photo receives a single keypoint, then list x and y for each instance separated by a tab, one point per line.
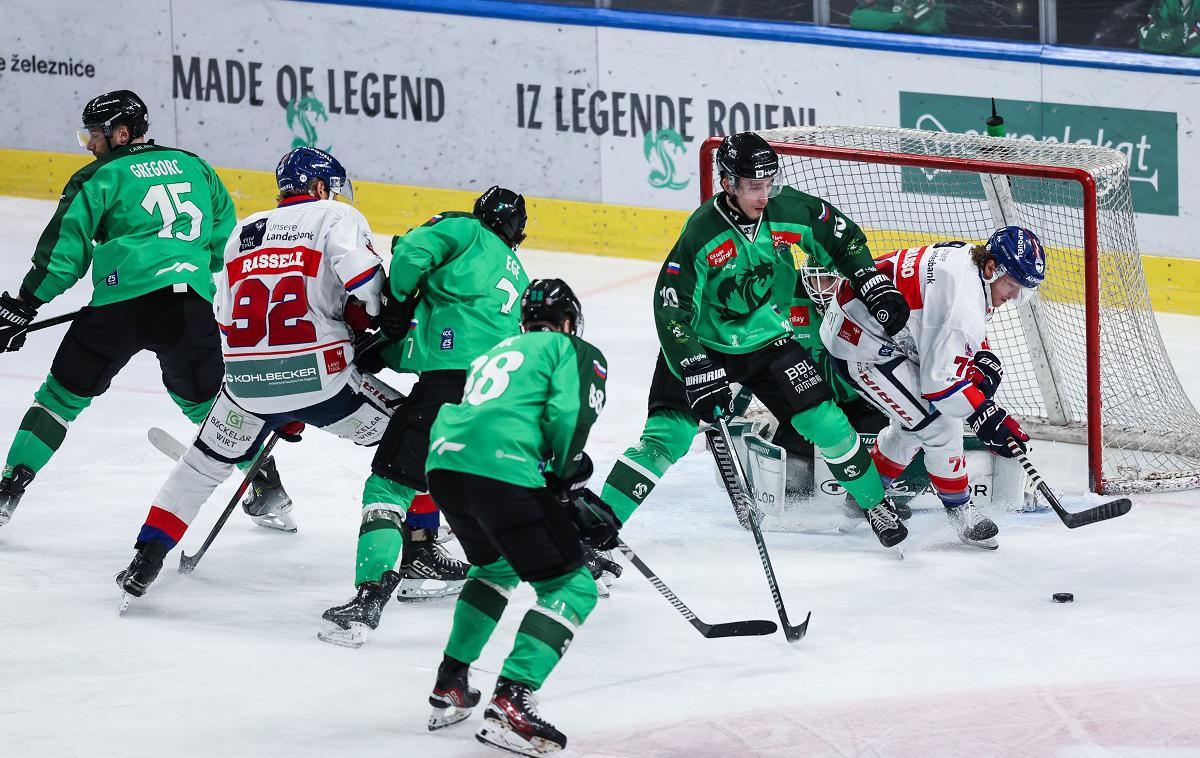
151	223
453	292
507	467
721	308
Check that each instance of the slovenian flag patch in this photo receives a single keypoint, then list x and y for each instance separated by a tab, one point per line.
600	370
824	212
412	324
673	268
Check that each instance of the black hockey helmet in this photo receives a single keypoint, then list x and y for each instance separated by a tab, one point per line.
118	108
551	301
503	211
748	156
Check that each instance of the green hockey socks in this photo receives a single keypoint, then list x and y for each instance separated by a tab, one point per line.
665	439
44	426
563	604
379	536
827	427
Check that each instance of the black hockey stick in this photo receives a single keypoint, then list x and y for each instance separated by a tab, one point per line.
730	629
187	563
43	324
1102	512
740	495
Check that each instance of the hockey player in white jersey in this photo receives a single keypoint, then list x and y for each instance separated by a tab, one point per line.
938	371
295	279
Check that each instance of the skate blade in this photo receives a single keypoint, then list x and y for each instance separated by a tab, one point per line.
416	591
989	544
354	637
500	736
280	522
441	718
602	588
898	551
123	605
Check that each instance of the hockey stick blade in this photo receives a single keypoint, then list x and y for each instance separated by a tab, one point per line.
1103	512
738	488
165	443
752	628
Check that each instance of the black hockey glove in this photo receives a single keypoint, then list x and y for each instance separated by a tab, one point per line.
882	299
994	428
396	315
564	489
707	390
986	372
596	523
15	315
368	351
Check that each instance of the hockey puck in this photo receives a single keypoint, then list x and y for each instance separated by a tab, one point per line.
1063	597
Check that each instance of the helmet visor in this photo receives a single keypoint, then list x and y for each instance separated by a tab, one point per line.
84	134
342	187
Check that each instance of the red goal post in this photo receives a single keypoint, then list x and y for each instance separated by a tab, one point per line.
907	188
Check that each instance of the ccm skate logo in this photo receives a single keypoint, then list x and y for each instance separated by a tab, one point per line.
724	253
883	396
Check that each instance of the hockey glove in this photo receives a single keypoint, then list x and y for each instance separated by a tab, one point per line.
15	315
883	300
356	317
368	351
291	431
396	315
986	372
564	489
994	428
596	523
707	390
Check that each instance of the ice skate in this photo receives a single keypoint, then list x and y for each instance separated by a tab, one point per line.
452	698
887	525
973	527
512	722
348	625
428	572
604	569
142	571
11	490
266	501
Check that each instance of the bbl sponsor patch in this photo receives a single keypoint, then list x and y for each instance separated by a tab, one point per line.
722	254
335	360
447	339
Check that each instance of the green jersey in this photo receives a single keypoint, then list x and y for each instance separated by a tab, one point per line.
527	407
468	283
730	287
142	217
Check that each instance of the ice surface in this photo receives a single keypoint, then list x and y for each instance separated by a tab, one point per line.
953	651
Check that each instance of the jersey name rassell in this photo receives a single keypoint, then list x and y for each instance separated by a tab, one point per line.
152	169
722	254
268	261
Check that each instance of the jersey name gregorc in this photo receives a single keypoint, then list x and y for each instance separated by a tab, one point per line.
288	274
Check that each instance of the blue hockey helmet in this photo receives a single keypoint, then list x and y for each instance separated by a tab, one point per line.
297	170
1018	253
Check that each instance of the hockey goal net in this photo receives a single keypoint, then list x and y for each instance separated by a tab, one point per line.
1084	360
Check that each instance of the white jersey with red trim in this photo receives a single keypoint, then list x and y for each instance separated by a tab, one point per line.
288	275
950	310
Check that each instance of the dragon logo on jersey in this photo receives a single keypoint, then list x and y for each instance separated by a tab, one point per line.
655	148
302	116
746	290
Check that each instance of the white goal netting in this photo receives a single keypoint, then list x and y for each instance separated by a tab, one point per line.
1120	394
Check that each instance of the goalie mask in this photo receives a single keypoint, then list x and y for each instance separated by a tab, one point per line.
550	302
